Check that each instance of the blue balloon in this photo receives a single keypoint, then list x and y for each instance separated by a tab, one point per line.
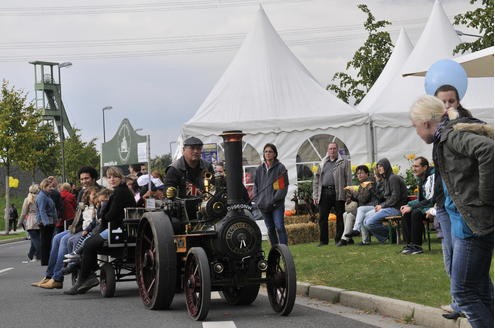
446	71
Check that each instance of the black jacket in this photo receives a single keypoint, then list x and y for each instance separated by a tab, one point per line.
120	198
395	190
179	175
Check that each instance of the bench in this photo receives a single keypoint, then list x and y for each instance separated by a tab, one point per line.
392	222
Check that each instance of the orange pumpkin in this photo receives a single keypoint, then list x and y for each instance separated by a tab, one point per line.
332	217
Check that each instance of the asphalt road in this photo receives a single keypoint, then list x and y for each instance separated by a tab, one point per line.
24	306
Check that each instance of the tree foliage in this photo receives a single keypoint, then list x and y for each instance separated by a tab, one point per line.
368	61
480	19
160	163
78	154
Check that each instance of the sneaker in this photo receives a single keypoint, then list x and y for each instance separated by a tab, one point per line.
406	249
71	268
417	250
72	256
52	284
42	281
353	233
341	242
363	243
89	283
76	260
350	242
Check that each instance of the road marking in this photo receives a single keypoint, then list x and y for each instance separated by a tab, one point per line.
219	324
5	270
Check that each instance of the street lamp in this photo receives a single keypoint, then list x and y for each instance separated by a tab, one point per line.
461	33
104	140
61	128
103	112
170	146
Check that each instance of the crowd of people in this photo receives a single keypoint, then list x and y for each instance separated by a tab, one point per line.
67	227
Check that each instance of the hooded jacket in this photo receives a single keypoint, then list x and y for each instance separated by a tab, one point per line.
394	188
463	154
426	195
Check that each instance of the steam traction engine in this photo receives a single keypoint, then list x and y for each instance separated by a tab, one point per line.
211	243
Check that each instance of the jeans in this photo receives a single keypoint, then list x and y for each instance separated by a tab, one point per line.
360	213
34	249
274	222
58	250
373	222
470	282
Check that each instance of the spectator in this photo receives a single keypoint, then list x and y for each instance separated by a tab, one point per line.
270	188
111	218
364	197
68	208
414	213
55	196
29	220
334	173
135	171
463	154
13	216
450	98
395	194
46	218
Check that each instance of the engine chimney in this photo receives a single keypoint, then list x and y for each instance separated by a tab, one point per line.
233	165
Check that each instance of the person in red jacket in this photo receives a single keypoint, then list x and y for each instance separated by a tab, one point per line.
68	207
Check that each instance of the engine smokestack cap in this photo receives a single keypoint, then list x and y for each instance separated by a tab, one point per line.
193	141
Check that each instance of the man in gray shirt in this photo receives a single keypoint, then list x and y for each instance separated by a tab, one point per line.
334	173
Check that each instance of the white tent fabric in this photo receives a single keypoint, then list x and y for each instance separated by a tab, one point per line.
393	133
438	37
269	95
476	64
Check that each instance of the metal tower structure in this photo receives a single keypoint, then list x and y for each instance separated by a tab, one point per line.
48	95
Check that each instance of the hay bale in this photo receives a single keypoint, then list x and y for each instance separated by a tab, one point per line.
301	233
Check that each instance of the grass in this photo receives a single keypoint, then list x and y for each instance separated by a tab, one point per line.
378	269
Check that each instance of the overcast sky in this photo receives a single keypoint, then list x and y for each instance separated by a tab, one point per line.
156	61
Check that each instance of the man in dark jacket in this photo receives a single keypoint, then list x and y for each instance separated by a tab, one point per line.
414	213
395	194
186	173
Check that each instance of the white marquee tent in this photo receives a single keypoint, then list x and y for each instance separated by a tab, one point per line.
268	94
389	100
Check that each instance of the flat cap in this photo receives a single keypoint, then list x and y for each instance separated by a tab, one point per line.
193	141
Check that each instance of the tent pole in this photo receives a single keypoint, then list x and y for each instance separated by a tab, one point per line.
372	138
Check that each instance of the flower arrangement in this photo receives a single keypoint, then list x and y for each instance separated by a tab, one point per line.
410	178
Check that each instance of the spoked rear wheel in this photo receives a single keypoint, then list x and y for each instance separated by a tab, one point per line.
156	261
197	283
281	279
107	280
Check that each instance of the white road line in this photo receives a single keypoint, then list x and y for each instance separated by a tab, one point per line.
219	324
216	296
5	270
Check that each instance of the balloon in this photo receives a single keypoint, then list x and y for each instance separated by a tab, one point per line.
446	71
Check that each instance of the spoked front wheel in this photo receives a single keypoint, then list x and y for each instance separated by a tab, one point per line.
281	279
197	283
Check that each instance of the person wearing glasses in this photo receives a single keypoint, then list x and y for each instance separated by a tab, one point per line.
270	188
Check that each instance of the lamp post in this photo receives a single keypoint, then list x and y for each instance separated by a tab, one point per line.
103	113
461	33
104	140
170	146
61	128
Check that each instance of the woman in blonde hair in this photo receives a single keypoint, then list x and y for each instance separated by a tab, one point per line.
28	219
463	154
46	218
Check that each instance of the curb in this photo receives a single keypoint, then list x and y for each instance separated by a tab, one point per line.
401	310
12	240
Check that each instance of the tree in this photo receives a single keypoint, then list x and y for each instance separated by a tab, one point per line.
480	19
18	122
78	154
369	61
160	163
45	151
